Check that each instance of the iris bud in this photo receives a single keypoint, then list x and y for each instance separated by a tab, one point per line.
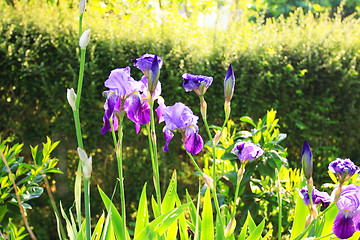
154	74
82	6
306	160
86	162
229	84
84	39
71	97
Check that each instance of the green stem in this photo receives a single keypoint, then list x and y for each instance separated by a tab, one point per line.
87	207
118	148
214	167
153	140
80	24
239	178
193	160
152	157
280	214
314	221
79	138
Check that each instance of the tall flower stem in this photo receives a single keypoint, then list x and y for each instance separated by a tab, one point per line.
80	23
194	162
154	148
203	114
118	150
87	207
239	178
152	158
79	138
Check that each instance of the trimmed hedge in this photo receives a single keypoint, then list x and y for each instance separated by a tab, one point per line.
306	67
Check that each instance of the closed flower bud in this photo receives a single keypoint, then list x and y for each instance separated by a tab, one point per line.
84	39
306	160
86	162
208	181
82	6
229	84
71	97
154	74
230	228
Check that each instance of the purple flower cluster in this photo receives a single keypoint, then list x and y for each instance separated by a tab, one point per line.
340	166
247	151
126	95
197	83
317	196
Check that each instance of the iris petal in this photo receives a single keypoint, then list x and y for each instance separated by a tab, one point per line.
168	136
194	143
343	226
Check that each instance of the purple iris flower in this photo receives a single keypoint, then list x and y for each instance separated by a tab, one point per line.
247	151
129	96
144	63
318	197
197	83
347	219
111	106
121	82
180	117
340	166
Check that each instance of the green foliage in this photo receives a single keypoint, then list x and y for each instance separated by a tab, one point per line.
27	177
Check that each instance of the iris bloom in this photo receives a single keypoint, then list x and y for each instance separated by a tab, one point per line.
180	117
340	166
145	62
247	151
197	83
129	96
347	219
318	197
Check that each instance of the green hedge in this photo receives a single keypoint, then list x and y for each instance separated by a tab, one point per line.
306	67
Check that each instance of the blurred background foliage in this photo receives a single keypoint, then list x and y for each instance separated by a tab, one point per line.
298	57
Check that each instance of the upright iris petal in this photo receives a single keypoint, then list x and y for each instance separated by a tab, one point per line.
144	63
247	151
345	223
307	160
121	82
180	117
229	84
342	166
197	83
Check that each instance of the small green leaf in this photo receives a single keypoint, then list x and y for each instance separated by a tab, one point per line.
256	234
247	120
99	227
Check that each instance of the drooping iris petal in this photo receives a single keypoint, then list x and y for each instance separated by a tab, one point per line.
343	226
111	106
145	61
160	109
197	83
247	151
168	136
121	82
307	160
137	110
194	143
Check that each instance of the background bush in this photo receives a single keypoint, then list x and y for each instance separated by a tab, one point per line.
305	66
